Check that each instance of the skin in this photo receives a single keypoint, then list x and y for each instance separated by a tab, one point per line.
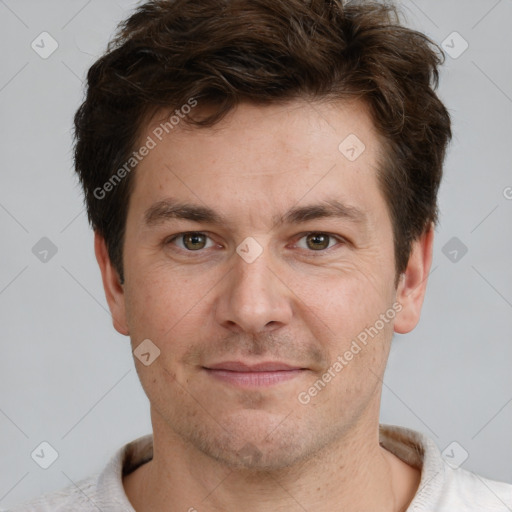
295	303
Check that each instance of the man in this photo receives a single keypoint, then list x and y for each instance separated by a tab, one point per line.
262	177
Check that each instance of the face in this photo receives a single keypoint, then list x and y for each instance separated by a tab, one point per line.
260	242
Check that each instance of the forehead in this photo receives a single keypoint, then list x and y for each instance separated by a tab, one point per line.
303	126
263	159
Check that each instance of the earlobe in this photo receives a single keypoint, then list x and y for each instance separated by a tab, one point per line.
114	291
413	282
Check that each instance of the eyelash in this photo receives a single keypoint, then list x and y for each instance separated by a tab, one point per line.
340	240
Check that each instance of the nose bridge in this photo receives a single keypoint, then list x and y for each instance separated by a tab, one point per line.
253	299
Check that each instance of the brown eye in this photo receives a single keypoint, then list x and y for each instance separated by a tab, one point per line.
194	241
318	241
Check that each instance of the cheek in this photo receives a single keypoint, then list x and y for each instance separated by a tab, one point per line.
353	378
343	312
150	303
164	304
344	298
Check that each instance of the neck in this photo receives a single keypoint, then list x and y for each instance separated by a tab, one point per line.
351	474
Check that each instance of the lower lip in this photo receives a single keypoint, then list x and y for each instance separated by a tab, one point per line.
254	379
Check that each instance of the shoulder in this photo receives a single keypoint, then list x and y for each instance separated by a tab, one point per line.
444	487
447	488
80	497
103	491
464	490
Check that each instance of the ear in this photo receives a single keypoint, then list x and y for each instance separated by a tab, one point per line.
114	291
413	282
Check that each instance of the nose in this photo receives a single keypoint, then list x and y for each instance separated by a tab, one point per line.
253	298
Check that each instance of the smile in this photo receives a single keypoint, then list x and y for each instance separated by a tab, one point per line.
260	375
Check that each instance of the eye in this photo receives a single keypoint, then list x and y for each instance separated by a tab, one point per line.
191	241
319	241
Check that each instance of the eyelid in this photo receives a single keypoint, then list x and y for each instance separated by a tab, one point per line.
339	238
177	236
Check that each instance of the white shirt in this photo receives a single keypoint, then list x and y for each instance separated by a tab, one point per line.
443	487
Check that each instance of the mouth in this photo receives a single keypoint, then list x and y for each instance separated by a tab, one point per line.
258	375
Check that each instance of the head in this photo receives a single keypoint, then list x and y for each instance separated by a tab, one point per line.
247	125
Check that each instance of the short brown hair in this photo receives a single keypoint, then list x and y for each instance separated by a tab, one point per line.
224	52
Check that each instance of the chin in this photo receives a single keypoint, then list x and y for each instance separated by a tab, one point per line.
256	441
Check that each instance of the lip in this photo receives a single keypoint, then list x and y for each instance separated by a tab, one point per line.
267	366
257	375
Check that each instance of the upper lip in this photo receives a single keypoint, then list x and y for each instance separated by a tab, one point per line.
238	366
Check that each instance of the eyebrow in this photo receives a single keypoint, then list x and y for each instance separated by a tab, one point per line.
167	209
330	208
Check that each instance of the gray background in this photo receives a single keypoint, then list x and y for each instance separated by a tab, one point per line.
69	379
